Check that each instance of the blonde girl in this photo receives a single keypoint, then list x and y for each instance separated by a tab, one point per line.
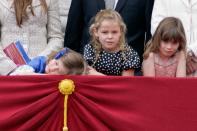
108	53
165	52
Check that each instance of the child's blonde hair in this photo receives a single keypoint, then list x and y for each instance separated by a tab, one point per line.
107	14
169	29
72	60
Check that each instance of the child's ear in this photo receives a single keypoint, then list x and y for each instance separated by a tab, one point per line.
95	32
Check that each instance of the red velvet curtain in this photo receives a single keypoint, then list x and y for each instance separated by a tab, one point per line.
30	104
99	104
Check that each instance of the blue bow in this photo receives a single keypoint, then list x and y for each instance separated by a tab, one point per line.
61	53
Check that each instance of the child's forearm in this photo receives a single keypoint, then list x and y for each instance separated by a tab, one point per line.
181	68
128	72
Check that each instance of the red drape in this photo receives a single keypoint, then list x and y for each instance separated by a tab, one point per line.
99	104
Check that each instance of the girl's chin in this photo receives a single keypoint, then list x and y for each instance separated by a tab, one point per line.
112	50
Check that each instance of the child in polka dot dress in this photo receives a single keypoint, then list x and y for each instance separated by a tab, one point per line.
108	53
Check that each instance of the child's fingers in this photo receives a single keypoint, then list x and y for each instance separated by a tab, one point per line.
188	70
191	67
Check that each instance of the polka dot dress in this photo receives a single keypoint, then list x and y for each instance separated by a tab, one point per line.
112	63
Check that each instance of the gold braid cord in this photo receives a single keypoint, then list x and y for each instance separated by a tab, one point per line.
66	87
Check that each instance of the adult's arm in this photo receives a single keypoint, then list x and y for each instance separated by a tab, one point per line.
64	6
54	33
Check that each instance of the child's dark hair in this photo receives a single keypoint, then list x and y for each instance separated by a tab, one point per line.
169	29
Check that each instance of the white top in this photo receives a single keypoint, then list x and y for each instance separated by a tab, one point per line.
64	6
40	34
116	1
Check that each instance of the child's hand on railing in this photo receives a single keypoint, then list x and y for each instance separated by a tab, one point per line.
92	71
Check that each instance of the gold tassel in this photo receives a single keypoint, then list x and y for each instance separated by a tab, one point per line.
66	87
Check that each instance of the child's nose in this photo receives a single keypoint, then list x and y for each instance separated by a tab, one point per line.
109	35
169	46
54	68
52	63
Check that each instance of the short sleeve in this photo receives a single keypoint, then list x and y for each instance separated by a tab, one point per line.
132	60
89	54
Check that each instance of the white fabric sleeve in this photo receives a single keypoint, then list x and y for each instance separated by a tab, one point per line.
24	69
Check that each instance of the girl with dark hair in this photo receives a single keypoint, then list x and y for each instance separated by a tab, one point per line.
165	52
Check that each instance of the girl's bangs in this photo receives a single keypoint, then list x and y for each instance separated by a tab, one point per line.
172	35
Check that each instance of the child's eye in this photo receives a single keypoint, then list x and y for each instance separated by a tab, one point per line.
56	63
175	43
104	32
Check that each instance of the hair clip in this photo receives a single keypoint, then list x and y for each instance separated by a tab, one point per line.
61	53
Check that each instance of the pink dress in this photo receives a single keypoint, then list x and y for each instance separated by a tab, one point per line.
165	69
